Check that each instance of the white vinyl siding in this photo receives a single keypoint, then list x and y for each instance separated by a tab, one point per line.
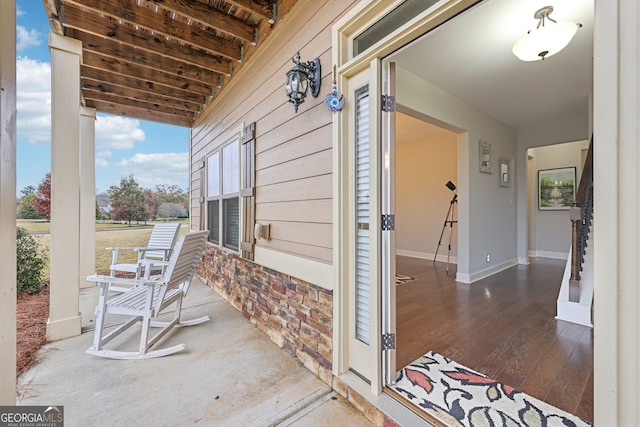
362	216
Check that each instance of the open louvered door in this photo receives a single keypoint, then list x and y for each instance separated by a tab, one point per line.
364	301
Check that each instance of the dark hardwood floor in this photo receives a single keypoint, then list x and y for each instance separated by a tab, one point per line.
502	326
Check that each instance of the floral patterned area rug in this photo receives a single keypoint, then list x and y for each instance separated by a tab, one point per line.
458	396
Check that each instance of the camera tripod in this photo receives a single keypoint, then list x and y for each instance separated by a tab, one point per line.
448	220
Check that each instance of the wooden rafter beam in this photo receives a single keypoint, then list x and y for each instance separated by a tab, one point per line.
154	45
51	9
160	28
210	17
262	8
157	77
128	92
141	85
139	113
109	47
141	104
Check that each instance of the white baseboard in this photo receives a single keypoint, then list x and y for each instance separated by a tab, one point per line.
490	271
549	254
425	255
524	261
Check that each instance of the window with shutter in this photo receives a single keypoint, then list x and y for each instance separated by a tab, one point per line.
223	194
362	299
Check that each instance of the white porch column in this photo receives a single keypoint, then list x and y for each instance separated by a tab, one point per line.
87	195
64	317
8	202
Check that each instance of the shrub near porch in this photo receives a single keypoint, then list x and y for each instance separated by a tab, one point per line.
297	315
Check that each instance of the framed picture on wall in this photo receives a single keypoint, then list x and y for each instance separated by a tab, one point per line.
556	188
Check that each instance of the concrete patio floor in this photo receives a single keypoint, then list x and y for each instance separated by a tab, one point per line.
231	374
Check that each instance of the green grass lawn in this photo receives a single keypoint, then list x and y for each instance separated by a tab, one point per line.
106	237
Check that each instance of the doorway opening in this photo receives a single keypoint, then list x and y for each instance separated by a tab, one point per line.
496	315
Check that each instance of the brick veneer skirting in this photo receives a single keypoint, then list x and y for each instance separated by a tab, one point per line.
297	315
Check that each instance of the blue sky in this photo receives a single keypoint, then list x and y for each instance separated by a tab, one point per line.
154	153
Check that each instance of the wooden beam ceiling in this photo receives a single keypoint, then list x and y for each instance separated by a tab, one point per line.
161	60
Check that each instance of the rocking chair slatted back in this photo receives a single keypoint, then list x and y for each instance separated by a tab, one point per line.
162	237
182	264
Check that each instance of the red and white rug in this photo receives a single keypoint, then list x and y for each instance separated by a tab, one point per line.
459	396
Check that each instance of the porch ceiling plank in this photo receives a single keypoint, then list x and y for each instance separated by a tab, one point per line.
137	103
159	24
125	68
154	48
110	47
138	113
262	8
141	84
152	44
210	17
128	92
51	9
161	59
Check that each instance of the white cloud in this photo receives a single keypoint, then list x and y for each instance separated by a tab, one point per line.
33	84
104	153
117	133
150	170
33	81
26	38
102	163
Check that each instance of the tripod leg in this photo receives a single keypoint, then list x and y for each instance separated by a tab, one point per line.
444	226
449	251
450	234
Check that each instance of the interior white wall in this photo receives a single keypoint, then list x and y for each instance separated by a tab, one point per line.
426	158
487	212
574	129
552	229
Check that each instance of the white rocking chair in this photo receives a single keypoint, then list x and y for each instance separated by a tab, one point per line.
147	299
152	257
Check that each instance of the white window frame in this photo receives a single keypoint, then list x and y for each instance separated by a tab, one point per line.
220	196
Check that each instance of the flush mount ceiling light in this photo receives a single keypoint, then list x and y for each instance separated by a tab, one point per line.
545	40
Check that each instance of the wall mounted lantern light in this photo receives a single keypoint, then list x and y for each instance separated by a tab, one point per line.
545	40
299	78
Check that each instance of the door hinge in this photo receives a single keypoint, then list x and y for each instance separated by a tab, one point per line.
388	222
388	341
388	103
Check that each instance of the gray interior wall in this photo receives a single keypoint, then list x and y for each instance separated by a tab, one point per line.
557	132
487	212
552	229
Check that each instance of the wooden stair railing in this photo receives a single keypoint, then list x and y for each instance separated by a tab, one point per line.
581	215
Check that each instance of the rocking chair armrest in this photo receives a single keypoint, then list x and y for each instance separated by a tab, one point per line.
99	278
143	250
127	248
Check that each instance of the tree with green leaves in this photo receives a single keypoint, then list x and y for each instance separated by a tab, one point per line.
26	207
29	189
127	201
